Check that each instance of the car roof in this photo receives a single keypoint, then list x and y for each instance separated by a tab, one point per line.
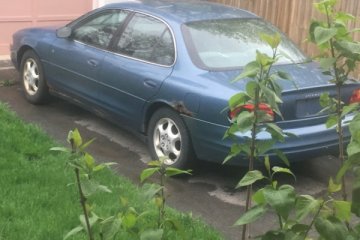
182	10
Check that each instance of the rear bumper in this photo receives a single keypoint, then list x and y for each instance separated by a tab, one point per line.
311	141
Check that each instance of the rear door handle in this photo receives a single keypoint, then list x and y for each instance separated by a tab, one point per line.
93	62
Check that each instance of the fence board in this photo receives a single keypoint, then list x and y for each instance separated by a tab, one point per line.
294	16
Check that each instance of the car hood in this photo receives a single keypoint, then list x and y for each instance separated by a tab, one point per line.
38	30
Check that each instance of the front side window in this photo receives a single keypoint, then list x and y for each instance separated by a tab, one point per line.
99	30
147	38
232	43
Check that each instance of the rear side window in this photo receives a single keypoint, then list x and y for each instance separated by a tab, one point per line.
99	30
147	38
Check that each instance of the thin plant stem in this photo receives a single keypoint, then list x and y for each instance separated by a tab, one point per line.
313	220
162	192
251	159
81	195
83	204
338	110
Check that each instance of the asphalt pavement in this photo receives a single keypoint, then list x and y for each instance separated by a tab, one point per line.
209	193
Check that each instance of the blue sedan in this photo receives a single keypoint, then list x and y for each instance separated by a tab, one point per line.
163	69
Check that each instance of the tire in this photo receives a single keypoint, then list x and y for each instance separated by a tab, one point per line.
168	136
32	77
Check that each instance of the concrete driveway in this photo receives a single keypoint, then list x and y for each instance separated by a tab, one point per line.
208	194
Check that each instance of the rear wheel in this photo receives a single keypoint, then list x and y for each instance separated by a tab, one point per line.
32	77
168	136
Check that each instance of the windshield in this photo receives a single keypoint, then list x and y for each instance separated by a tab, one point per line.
232	43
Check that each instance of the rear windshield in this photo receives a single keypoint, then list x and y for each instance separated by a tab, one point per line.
232	43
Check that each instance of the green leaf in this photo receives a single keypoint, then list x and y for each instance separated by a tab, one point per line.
250	71
90	187
331	121
342	210
354	126
325	100
270	96
245	121
60	149
355	207
267	164
344	168
350	47
170	171
282	157
323	35
272	40
129	220
73	232
89	161
343	18
259	197
148	173
103	188
149	191
313	26
251	88
250	177
75	137
327	63
349	109
272	235
237	149
331	228
284	75
264	145
238	99
263	59
353	148
283	170
275	131
155	163
85	145
92	220
306	204
102	166
333	187
111	229
252	215
152	234
282	199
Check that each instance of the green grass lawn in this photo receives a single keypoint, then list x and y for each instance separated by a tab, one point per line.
37	202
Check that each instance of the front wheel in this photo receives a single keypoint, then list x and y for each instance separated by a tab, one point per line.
168	136
32	77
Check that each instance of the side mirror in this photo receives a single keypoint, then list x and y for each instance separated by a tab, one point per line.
63	32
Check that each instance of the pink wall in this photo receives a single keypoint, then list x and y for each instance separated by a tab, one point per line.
18	14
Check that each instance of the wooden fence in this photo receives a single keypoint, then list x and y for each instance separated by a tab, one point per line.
293	17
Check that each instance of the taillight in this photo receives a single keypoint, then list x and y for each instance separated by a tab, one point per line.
355	97
250	108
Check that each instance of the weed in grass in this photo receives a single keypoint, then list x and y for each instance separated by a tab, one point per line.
84	167
158	192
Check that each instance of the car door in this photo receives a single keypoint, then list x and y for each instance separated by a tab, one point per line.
76	61
141	59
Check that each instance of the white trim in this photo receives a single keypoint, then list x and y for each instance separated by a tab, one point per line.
100	3
4	57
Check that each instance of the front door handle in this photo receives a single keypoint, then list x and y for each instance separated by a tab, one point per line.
150	84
